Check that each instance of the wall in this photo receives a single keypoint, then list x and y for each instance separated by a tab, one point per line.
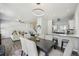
77	21
8	28
77	25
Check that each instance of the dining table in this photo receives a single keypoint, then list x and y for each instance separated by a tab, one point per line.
44	45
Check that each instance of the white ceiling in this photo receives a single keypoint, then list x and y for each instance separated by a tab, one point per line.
23	11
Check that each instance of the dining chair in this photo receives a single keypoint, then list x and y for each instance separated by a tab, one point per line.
29	47
68	49
23	45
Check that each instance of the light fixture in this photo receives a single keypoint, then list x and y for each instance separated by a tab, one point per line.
38	3
38	12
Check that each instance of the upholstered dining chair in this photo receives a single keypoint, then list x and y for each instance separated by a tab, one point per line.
23	44
29	47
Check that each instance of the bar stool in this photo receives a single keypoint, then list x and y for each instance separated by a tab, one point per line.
55	40
64	44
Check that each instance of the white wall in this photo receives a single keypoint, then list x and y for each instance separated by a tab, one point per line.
77	25
77	21
8	28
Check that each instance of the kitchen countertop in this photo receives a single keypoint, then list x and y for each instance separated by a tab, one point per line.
66	35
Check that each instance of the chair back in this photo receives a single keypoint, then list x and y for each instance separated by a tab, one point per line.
23	44
29	46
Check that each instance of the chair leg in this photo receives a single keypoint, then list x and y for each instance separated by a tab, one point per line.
22	53
62	46
38	51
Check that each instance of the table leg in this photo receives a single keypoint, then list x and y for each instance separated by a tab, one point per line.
62	46
22	53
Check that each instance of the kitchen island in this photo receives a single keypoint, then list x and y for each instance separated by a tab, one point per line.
74	38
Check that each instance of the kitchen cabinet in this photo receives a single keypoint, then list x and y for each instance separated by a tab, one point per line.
74	39
59	27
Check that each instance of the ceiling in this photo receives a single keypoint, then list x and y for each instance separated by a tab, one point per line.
23	11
